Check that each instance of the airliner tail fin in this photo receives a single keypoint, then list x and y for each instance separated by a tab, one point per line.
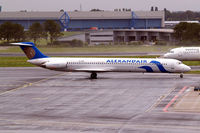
31	51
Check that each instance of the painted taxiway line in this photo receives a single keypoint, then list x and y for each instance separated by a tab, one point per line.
174	99
30	84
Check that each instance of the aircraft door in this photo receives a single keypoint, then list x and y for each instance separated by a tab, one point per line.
180	54
172	67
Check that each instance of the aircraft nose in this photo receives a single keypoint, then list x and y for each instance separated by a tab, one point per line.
166	55
187	68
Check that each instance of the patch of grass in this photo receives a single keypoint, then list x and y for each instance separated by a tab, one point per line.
70	33
192	63
14	62
10	49
96	49
148	56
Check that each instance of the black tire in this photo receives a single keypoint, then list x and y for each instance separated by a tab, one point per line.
181	75
93	75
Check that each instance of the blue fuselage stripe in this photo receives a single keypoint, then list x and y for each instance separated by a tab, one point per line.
147	68
160	66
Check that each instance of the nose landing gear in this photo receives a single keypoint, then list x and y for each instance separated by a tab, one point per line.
93	75
181	75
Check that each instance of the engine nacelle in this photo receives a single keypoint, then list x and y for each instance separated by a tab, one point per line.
55	65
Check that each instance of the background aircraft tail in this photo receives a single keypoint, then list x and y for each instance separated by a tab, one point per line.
31	51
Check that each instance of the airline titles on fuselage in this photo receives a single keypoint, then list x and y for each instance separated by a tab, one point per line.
125	61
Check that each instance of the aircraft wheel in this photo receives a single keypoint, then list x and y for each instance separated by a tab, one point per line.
181	75
93	75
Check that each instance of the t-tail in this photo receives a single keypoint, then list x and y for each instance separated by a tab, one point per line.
31	51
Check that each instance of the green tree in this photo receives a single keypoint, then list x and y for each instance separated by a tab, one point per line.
187	31
18	32
181	15
192	31
179	30
189	15
53	29
167	15
9	31
36	31
6	31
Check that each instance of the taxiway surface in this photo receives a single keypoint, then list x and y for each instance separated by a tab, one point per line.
39	100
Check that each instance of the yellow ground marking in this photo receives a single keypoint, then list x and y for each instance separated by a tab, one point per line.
8	85
38	98
29	84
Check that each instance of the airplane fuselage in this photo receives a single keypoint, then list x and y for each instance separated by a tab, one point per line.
184	54
112	65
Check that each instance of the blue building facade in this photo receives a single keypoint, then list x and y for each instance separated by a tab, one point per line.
115	24
73	21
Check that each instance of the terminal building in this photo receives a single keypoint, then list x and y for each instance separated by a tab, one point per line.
129	35
143	35
84	20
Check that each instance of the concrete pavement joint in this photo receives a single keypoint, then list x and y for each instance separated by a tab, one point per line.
174	99
99	125
160	100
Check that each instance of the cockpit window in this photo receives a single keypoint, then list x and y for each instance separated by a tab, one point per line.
180	62
171	51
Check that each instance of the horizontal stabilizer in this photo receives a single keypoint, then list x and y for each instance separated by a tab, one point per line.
21	44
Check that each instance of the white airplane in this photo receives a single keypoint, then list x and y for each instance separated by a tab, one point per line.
98	65
184	54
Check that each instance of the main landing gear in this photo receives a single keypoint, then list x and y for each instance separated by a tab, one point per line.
181	75
93	75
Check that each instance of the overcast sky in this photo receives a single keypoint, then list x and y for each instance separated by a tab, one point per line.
70	5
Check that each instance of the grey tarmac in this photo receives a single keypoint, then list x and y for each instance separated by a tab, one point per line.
37	100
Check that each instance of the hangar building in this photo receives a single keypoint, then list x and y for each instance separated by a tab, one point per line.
81	20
